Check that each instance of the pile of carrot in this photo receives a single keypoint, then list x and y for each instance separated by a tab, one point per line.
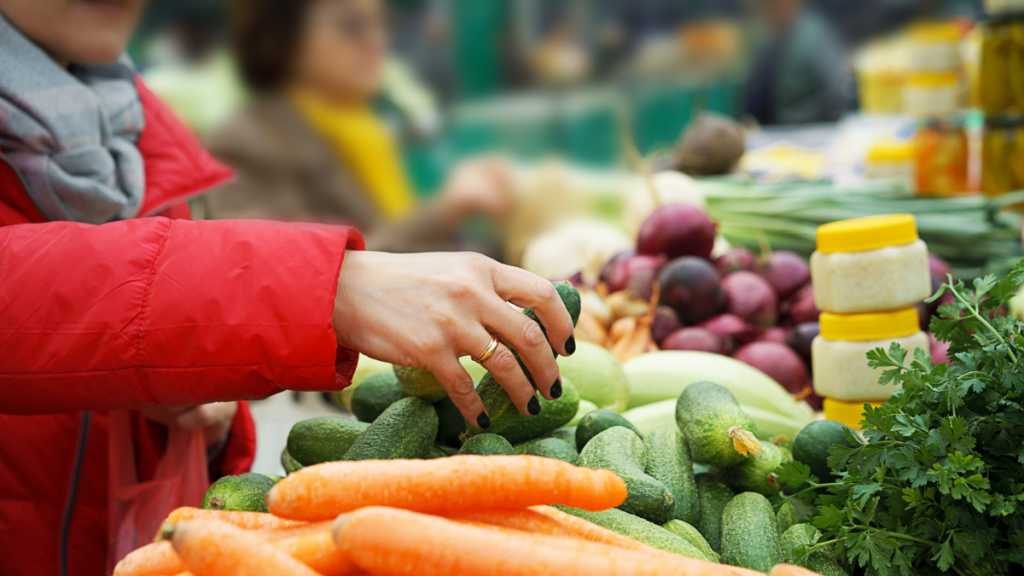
468	515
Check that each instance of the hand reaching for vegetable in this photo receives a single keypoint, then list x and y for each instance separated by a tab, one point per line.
214	419
427	310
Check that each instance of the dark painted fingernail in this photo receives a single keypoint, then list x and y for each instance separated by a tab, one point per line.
533	406
556	389
483	421
570	345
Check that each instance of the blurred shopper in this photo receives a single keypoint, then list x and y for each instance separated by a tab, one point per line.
119	315
800	73
311	147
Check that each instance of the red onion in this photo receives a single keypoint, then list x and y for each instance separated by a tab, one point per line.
735	332
800	338
786	272
734	260
772	334
800	307
677	230
939	350
938	266
777	361
750	297
692	288
628	271
665	322
699	339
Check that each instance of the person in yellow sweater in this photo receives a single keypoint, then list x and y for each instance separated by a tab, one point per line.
310	147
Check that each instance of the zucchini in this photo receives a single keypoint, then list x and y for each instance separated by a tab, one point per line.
750	537
549	448
717	431
661	415
598	421
668	461
323	439
620	450
553	415
821	561
374	395
757	473
713	496
487	445
405	430
687	532
640	530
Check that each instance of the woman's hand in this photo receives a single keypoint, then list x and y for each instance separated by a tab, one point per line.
214	419
483	186
427	310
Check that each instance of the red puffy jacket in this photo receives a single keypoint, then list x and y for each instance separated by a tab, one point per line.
145	312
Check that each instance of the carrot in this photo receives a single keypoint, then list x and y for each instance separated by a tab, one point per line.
287	532
524	520
317	550
393	542
246	520
790	570
157	559
594	533
212	548
324	491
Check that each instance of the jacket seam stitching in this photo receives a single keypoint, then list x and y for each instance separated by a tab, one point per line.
146	298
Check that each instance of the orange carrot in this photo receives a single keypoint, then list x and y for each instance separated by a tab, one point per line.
393	542
324	491
246	520
790	570
594	533
157	559
211	548
287	532
524	520
317	550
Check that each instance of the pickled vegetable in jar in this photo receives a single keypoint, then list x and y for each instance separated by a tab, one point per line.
1002	155
942	158
1002	63
839	353
869	265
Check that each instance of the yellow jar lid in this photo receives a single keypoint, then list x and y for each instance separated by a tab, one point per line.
848	413
862	234
870	326
891	152
935	79
935	32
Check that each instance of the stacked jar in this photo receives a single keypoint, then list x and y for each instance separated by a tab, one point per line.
1001	95
868	276
934	95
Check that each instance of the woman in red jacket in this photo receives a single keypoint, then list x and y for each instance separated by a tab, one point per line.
112	302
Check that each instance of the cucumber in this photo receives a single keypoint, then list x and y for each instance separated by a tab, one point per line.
750	537
435	452
549	448
374	395
450	424
687	532
323	439
499	406
405	430
821	561
757	473
668	461
567	434
713	496
487	445
274	478
571	299
620	450
419	383
598	421
553	415
640	530
586	407
812	443
289	463
717	431
244	492
786	517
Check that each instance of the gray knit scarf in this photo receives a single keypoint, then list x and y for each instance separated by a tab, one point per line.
71	132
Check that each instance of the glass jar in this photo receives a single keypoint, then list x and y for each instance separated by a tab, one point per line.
943	157
1004	6
892	161
869	265
839	353
934	47
1001	85
932	94
1002	156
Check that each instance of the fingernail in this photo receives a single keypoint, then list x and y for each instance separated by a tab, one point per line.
556	388
533	406
570	345
483	421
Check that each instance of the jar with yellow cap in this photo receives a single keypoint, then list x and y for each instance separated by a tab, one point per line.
870	264
848	413
839	353
931	94
934	46
892	161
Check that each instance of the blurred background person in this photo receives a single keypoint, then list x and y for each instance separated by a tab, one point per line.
310	145
800	73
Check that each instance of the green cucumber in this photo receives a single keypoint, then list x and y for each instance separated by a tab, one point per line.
450	423
717	430
640	530
620	450
553	415
598	421
668	461
549	448
786	517
500	409
323	439
405	430
821	561
713	496
757	473
812	443
487	445
435	452
371	398
244	492
289	463
687	532
567	434
586	407
419	383
750	537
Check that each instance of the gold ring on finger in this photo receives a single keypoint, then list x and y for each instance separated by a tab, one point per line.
487	353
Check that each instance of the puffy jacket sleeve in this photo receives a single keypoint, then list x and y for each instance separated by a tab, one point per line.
171	312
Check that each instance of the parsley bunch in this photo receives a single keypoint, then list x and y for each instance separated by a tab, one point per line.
939	485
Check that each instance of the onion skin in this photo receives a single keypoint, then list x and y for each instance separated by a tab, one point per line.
734	260
629	271
665	322
692	287
939	350
786	272
750	297
772	334
696	339
800	307
735	331
800	338
777	361
676	230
